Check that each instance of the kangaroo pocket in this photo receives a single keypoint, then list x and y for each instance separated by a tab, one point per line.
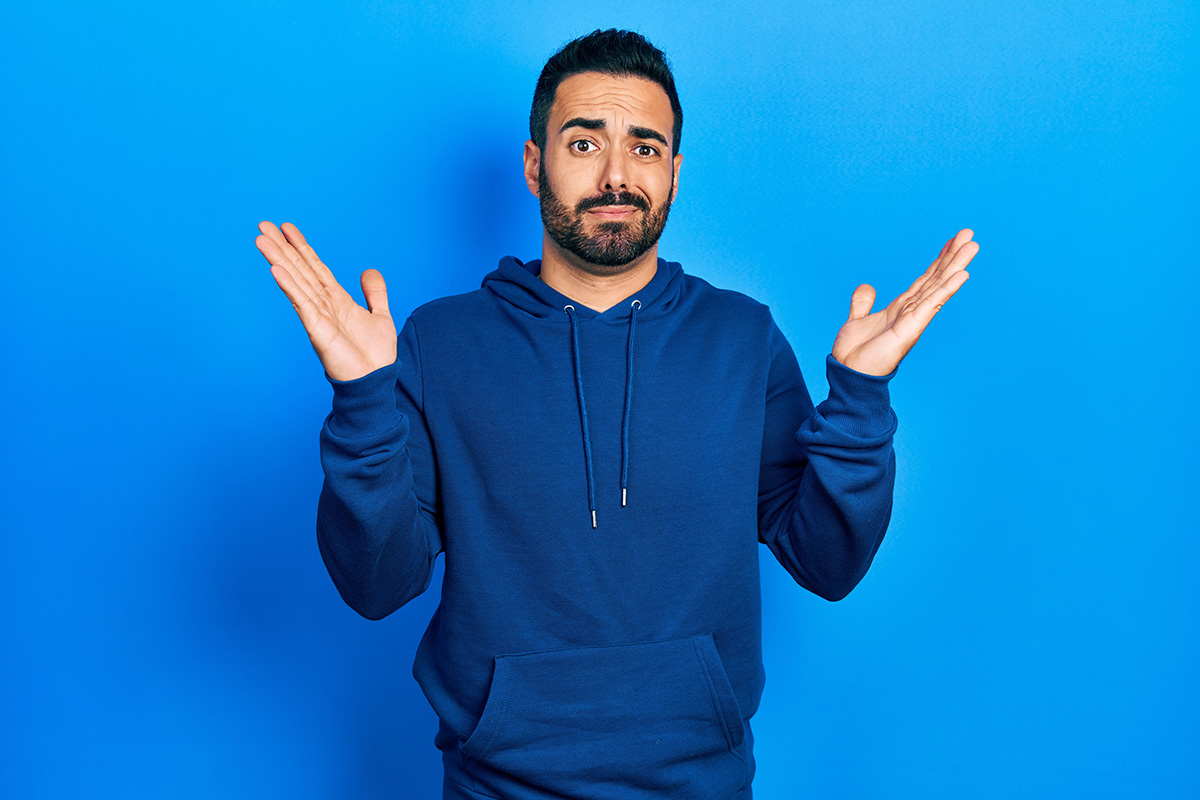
656	717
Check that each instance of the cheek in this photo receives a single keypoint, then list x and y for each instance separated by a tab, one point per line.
569	180
662	186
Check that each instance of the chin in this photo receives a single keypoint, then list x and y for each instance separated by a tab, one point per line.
603	268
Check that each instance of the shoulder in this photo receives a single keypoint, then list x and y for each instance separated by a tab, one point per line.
452	310
730	314
727	305
447	324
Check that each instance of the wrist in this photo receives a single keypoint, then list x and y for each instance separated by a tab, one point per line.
366	405
867	366
859	402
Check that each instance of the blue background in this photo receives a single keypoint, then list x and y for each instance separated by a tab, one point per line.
1029	628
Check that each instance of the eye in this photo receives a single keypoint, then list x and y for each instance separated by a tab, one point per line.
582	146
645	150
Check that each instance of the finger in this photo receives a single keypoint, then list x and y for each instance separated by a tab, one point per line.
271	250
964	250
932	304
916	316
296	238
955	255
315	272
923	280
297	269
962	257
949	249
304	249
275	246
861	301
375	291
920	282
276	237
964	254
300	301
304	272
957	242
933	265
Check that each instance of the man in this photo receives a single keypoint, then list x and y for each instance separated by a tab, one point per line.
598	443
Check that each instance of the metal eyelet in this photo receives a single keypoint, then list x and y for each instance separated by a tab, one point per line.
637	303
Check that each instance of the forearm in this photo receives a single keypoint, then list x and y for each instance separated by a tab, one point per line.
826	528
377	541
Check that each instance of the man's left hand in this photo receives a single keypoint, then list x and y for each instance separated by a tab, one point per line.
875	343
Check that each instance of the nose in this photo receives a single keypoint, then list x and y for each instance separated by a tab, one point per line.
614	174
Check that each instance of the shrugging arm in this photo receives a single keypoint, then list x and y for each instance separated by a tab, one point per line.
377	526
827	473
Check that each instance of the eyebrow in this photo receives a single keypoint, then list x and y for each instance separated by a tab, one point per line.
599	124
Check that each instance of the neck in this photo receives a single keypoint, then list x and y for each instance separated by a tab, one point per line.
567	274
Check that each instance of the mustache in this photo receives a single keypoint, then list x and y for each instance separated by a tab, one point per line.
613	199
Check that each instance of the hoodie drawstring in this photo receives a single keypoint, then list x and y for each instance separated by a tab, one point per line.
633	310
587	438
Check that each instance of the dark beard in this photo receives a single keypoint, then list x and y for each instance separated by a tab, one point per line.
616	244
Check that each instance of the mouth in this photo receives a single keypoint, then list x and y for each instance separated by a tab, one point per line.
612	212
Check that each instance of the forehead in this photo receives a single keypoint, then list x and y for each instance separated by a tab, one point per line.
627	100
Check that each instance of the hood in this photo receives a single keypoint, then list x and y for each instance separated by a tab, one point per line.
518	283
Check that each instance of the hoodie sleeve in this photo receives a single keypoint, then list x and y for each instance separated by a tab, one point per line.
377	528
827	473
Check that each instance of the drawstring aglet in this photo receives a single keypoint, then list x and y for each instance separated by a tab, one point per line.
622	497
593	519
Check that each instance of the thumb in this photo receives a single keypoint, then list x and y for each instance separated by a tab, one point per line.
375	291
861	301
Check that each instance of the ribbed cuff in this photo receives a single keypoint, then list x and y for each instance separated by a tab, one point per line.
365	406
859	404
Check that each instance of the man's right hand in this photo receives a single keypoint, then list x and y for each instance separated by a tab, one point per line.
350	340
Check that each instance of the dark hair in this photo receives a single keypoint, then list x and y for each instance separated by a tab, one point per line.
611	52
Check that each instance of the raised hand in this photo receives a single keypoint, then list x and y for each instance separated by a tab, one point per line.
875	343
350	340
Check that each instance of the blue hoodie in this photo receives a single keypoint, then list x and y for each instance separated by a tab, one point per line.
599	484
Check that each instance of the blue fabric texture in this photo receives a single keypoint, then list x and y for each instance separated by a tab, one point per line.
599	483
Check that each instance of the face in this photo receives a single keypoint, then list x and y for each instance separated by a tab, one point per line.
606	177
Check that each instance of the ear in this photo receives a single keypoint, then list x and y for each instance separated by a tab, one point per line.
533	160
675	176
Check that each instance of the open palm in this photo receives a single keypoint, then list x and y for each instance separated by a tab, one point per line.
875	343
350	340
